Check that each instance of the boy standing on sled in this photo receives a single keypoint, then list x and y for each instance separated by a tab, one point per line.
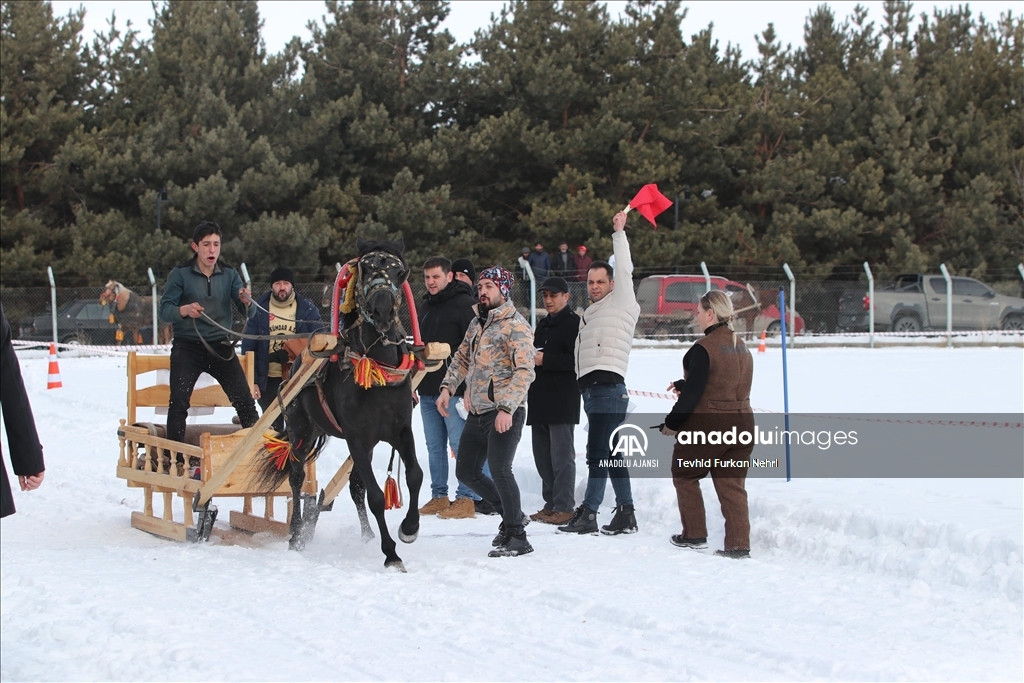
197	301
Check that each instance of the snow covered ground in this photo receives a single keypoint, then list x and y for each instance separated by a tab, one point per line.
849	580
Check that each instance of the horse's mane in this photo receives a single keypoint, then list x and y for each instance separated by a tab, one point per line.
396	249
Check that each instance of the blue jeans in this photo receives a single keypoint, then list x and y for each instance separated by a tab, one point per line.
441	431
605	406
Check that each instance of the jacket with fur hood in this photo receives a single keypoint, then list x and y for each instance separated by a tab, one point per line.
607	326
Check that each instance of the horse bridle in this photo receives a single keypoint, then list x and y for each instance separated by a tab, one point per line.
114	291
373	273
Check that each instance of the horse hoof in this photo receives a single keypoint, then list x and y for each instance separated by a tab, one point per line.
407	538
396	566
368	536
297	544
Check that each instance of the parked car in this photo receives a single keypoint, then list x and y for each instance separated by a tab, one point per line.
918	302
668	304
84	321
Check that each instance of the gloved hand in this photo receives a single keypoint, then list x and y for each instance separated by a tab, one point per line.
279	356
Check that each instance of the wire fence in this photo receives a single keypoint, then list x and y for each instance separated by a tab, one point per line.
824	309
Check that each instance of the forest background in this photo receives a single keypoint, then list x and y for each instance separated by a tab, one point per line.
866	143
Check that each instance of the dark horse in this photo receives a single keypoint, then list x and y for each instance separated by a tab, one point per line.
366	416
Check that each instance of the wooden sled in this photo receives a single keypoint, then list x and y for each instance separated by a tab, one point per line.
223	455
223	461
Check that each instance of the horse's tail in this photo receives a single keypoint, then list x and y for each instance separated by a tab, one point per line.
276	457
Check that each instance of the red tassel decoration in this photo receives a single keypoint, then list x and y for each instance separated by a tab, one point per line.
392	494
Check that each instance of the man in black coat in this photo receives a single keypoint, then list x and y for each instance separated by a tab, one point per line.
26	451
444	316
563	263
554	403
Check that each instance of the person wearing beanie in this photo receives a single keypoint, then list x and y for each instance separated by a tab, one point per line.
197	301
496	362
281	311
463	270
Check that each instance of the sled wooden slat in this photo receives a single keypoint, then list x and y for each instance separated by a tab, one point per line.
338	481
295	384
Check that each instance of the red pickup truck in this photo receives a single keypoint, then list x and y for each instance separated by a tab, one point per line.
668	304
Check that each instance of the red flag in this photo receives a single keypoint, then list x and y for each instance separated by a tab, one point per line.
649	202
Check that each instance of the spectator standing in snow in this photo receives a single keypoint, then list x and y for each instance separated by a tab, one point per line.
714	395
602	357
26	452
496	362
563	263
554	403
540	262
579	283
444	315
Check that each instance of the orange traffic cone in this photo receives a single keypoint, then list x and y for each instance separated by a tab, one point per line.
53	375
761	348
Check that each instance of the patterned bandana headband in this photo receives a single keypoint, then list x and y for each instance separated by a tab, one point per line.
501	277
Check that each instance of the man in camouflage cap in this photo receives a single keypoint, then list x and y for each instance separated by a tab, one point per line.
496	360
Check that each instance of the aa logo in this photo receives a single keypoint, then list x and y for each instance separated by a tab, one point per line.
628	441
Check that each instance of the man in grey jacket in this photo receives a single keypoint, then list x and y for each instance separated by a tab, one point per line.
602	358
197	301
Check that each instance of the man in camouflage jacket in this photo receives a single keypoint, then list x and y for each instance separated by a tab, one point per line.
495	360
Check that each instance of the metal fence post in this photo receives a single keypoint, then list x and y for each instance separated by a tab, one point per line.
53	302
871	305
949	305
525	265
156	328
792	305
707	276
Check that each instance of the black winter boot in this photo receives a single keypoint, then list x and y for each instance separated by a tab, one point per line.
584	521
517	545
624	522
502	537
682	542
738	554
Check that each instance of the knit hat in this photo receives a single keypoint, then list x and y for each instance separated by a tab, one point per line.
582	248
500	277
283	273
464	265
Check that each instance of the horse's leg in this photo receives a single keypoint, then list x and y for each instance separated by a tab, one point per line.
410	527
357	489
362	455
301	435
297	477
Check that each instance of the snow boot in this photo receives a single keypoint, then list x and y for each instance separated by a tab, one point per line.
484	508
624	521
736	554
584	521
515	546
502	538
680	541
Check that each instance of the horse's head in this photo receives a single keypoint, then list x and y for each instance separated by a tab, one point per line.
382	272
110	292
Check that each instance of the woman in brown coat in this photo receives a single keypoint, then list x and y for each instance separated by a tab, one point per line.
714	395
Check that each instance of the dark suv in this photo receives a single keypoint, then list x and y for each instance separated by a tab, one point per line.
84	321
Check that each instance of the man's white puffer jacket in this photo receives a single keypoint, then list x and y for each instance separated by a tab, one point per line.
606	328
